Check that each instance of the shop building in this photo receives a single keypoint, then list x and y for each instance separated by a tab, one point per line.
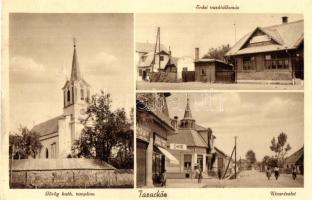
153	127
193	147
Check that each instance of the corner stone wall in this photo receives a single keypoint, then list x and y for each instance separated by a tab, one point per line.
72	179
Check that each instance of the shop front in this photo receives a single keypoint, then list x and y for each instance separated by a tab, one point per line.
153	127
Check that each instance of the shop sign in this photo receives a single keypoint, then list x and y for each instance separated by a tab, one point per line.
181	147
160	141
142	134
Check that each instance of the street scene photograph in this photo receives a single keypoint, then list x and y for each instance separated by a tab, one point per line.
219	51
70	124
216	140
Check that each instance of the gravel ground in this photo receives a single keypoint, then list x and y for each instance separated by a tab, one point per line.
249	179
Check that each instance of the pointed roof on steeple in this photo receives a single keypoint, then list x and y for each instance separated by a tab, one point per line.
187	113
75	71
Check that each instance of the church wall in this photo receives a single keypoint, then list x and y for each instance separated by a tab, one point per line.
47	146
65	140
72	178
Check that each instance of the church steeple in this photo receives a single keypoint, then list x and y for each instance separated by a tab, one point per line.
76	93
76	90
187	113
187	121
75	71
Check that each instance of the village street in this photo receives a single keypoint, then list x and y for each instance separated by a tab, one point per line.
207	86
251	179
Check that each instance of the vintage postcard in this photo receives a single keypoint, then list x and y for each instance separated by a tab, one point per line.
155	99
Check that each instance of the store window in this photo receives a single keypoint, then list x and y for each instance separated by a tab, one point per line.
187	161
203	72
200	161
276	62
158	166
248	63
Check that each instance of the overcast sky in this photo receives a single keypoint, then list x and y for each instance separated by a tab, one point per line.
255	118
184	32
41	51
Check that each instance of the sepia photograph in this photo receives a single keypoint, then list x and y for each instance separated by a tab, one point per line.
200	51
220	140
71	125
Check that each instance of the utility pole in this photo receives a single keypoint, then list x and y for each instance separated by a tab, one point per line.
235	157
11	166
155	50
235	31
235	64
159	48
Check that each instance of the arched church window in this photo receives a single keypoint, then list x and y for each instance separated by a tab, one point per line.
88	95
82	93
68	95
46	153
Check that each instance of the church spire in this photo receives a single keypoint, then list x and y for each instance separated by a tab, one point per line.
187	113
75	71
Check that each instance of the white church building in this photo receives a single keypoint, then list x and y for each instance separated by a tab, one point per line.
58	134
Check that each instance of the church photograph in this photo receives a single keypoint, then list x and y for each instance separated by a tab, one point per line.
71	101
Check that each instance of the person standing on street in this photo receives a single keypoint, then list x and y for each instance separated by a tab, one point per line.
163	179
268	172
294	172
219	173
276	172
200	176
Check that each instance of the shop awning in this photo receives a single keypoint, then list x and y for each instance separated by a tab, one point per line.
168	155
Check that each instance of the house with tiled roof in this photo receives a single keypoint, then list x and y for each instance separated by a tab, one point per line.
295	160
57	135
273	53
154	59
193	147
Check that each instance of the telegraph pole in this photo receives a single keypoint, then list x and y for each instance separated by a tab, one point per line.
235	31
235	157
159	48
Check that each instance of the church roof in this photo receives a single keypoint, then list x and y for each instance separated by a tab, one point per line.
47	127
187	113
286	36
59	164
75	71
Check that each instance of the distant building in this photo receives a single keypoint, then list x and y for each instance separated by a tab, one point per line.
150	59
273	53
243	164
58	134
184	64
212	70
295	160
153	128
